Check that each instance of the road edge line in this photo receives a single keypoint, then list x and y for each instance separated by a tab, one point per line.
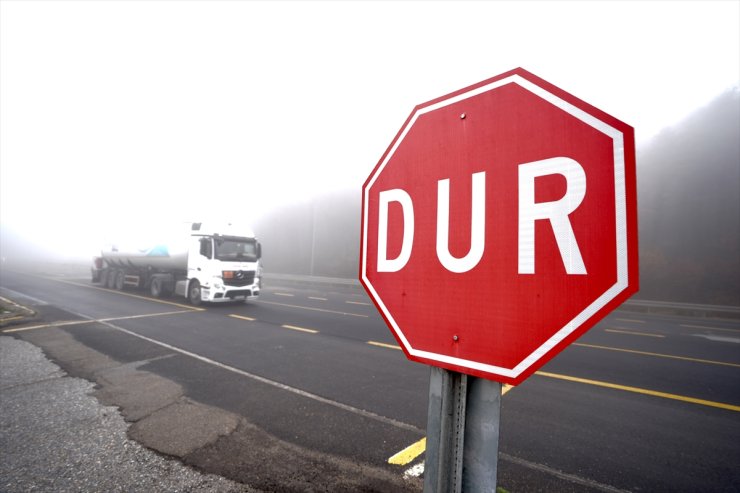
637	390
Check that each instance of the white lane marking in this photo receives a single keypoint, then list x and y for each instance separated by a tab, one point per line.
560	474
283	294
358	303
619	330
20	297
705	327
418	469
130	295
311	308
317	298
273	383
718	338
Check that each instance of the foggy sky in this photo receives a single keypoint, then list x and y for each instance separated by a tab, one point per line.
688	204
121	116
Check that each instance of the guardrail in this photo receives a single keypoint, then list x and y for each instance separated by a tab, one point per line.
642	306
686	309
312	281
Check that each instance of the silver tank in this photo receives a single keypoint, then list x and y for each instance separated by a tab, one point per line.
167	256
166	249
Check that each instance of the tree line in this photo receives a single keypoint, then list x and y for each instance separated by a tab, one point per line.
688	206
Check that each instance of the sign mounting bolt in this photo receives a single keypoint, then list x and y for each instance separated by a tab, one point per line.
462	116
455	338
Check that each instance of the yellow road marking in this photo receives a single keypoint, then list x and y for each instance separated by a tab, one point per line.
382	344
631	332
358	303
111	319
317	298
301	329
658	355
11	318
409	453
416	449
283	294
11	302
90	321
130	295
249	319
313	309
638	390
52	324
708	328
630	320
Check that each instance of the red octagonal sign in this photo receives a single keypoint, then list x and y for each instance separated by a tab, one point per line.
500	225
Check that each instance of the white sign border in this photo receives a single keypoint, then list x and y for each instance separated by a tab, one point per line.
620	194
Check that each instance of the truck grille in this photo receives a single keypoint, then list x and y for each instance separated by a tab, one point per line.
235	293
238	277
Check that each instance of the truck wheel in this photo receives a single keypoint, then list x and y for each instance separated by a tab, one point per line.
194	293
119	280
156	287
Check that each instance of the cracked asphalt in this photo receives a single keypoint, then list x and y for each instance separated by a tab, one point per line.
56	436
76	419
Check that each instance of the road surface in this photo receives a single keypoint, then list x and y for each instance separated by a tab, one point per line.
306	389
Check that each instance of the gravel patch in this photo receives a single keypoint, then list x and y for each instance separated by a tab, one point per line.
54	436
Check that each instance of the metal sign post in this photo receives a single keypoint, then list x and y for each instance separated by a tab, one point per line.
462	433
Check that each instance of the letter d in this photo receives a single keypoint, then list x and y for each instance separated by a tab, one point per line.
384	263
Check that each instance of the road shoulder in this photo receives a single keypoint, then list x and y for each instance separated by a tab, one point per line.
168	417
57	437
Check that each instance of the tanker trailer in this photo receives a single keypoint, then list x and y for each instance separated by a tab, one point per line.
214	263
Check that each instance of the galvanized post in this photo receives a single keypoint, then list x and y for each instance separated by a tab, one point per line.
482	426
462	433
445	431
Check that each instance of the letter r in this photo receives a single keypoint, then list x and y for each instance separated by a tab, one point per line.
556	212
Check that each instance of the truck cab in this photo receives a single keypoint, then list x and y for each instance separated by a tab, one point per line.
223	265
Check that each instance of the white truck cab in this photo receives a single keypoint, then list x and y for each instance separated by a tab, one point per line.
209	263
223	265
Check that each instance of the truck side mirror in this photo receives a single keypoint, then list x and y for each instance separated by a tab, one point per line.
205	247
259	250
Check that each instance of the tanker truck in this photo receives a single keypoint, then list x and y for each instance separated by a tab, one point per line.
208	263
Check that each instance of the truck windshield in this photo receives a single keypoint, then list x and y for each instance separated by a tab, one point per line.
235	249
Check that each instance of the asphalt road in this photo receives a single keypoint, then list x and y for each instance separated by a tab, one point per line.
306	389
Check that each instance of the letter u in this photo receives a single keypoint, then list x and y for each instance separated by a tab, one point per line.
477	225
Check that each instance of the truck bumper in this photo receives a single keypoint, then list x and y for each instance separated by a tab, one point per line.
229	293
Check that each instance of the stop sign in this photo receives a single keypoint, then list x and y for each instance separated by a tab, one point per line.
500	225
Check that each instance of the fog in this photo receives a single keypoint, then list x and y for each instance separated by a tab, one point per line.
121	119
689	215
689	207
318	237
